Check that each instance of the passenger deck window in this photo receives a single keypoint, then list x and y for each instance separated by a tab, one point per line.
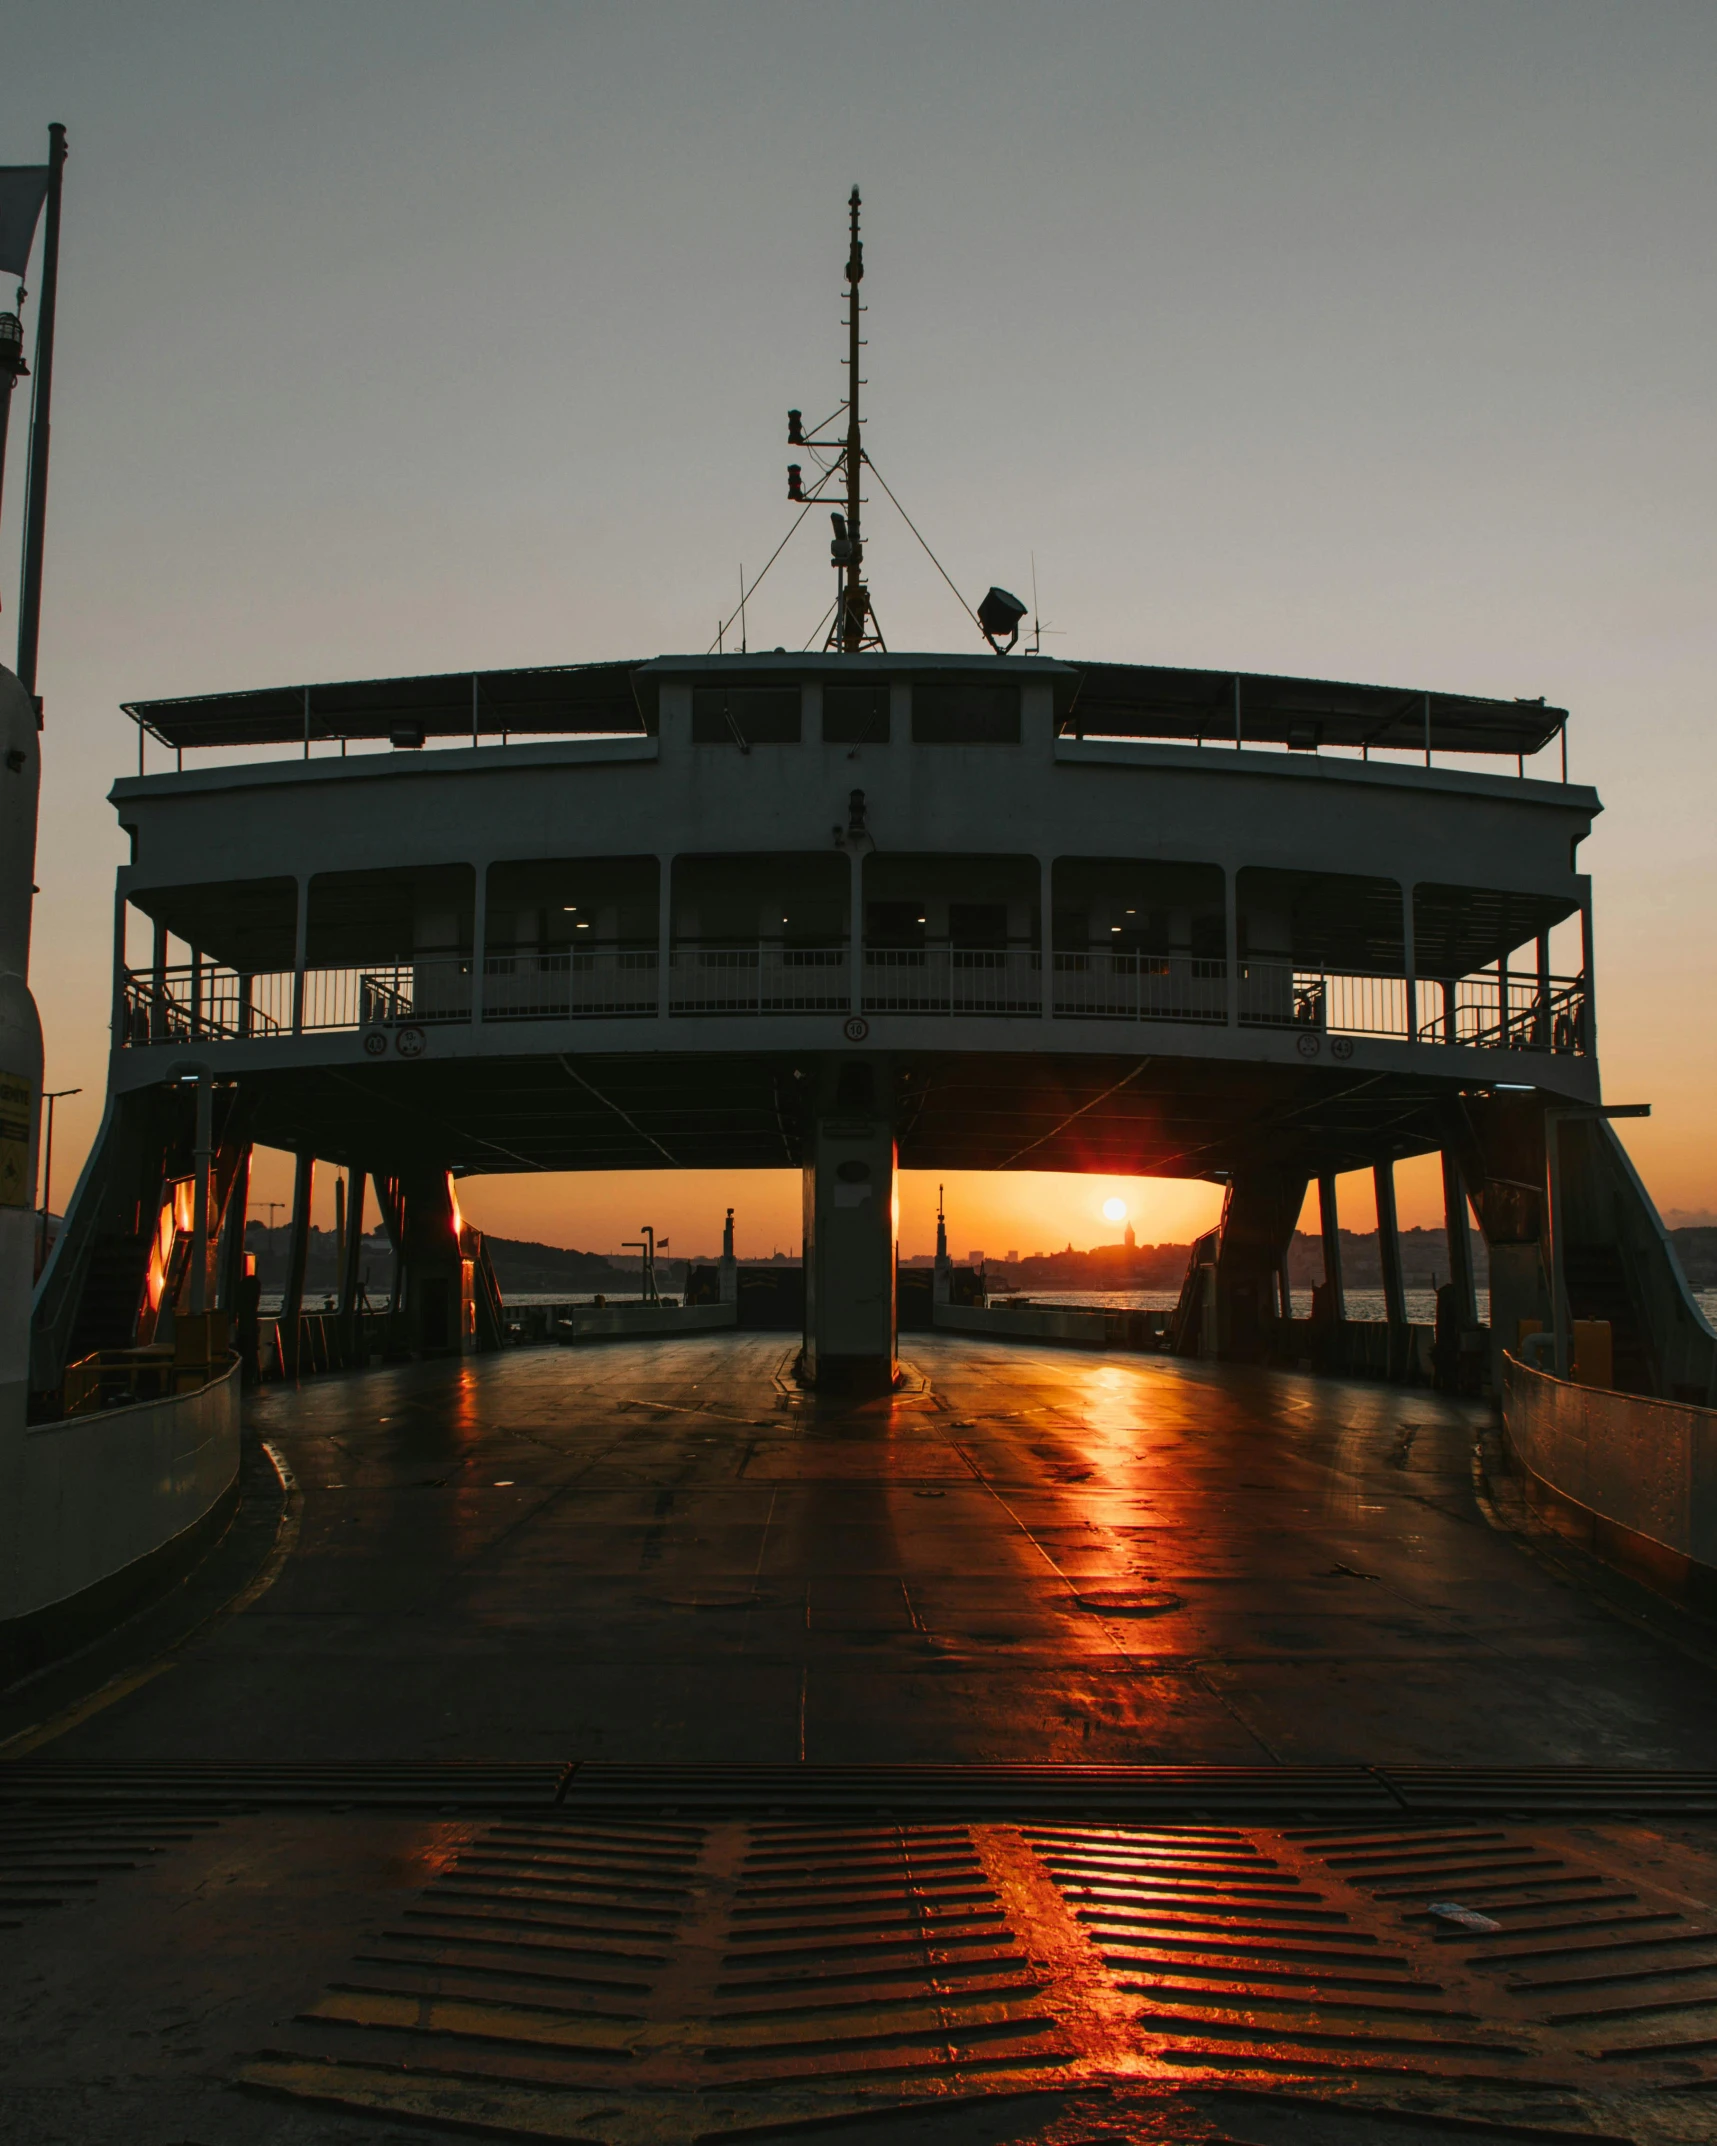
965	714
855	715
745	715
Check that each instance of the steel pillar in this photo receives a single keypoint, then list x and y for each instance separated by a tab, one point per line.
1329	1223
297	1260
850	1234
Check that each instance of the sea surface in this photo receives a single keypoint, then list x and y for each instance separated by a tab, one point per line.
1361	1303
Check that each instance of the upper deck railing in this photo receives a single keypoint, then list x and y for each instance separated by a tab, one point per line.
1497	1009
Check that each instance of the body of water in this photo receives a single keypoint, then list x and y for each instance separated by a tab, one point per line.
1361	1303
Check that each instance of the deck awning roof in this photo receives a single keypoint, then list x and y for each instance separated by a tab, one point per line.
1149	700
555	701
1108	700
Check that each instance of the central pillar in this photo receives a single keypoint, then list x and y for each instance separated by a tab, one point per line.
850	1231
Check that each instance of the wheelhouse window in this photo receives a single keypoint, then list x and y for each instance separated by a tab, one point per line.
855	715
957	713
746	715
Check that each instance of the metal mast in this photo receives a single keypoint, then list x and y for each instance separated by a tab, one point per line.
853	627
36	498
855	597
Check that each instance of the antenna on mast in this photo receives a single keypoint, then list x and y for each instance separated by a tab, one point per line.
853	627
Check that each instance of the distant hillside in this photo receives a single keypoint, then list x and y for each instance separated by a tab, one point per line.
521	1269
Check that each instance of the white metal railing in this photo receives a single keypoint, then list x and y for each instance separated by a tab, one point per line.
1486	1011
527	984
199	1000
1504	1011
761	978
1141	987
1342	1002
953	979
385	994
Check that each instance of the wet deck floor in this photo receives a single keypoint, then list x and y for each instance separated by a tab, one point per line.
669	1555
659	1555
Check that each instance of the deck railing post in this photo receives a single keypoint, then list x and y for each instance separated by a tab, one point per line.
1588	1014
664	934
1046	932
1541	1028
159	1027
300	945
479	924
1231	946
121	977
1410	962
855	929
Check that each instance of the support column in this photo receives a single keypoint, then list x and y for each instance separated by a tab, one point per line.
1389	1245
203	1154
351	1278
1459	1241
441	1307
850	1246
1329	1223
297	1261
231	1275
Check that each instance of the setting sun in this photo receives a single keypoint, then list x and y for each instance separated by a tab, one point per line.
1114	1210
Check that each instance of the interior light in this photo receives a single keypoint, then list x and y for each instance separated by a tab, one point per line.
1114	927
581	925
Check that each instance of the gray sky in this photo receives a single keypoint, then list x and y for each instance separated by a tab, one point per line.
1370	340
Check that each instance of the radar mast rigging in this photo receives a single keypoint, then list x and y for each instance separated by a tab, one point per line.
853	627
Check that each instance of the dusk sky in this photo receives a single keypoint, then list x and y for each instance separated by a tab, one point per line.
1367	340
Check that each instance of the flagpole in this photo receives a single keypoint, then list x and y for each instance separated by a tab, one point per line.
36	498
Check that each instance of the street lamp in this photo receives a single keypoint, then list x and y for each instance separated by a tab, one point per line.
1554	1120
50	1097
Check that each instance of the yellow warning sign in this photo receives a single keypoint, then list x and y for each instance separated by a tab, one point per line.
17	1095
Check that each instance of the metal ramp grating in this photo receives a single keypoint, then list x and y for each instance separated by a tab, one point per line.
635	1981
